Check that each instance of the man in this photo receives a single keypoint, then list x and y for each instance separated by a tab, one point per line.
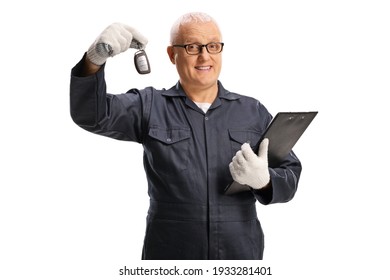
197	137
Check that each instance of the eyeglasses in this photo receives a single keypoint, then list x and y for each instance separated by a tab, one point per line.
193	49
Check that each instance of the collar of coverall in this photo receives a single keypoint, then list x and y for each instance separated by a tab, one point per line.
177	91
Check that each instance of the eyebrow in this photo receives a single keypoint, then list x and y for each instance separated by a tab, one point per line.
195	41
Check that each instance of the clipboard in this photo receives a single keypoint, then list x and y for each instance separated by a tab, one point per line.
283	133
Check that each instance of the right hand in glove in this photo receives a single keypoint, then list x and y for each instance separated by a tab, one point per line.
115	39
250	169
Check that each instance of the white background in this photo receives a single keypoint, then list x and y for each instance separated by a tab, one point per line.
73	204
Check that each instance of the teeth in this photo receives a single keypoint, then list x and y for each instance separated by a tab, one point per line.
203	67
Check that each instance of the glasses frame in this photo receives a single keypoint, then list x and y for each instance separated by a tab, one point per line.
200	46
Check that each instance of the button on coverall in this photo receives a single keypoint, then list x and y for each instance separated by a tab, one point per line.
186	159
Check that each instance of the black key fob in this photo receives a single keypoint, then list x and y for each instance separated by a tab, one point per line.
141	62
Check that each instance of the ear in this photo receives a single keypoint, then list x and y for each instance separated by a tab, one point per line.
171	54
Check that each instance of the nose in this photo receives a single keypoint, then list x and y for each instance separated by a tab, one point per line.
204	53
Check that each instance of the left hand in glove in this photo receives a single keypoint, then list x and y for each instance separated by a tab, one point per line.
250	169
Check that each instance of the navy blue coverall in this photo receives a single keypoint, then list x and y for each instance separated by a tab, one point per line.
186	159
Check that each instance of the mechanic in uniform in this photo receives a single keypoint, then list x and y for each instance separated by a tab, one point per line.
197	137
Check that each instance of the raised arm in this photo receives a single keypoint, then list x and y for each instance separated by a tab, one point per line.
92	108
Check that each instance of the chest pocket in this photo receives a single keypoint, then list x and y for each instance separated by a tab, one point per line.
239	137
168	149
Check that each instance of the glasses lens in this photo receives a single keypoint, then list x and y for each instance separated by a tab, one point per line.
193	49
214	47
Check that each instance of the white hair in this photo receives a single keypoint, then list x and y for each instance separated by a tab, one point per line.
193	17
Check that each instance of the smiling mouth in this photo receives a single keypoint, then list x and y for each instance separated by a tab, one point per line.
203	68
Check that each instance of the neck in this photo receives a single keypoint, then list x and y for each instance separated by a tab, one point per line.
203	95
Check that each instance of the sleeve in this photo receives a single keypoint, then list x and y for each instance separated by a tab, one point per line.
284	182
93	109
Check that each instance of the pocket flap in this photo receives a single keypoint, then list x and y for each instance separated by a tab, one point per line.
169	136
245	136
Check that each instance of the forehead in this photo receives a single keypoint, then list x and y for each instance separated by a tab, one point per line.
199	32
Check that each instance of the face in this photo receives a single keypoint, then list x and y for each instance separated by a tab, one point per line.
201	71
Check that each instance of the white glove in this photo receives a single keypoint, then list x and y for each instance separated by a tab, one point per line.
115	39
249	169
